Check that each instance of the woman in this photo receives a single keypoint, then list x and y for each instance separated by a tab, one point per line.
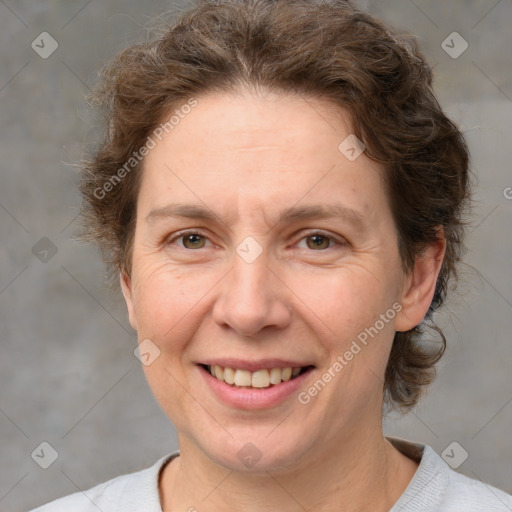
282	199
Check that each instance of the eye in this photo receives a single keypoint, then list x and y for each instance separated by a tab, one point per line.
316	240
319	241
191	240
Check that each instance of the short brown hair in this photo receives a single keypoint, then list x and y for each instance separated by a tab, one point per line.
326	49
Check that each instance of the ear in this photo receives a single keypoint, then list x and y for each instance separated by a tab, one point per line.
420	285
126	286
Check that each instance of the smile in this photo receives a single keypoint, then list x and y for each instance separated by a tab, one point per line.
254	385
262	378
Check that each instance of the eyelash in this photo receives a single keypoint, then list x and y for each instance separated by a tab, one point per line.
182	234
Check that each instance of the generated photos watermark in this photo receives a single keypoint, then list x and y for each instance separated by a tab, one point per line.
138	156
343	360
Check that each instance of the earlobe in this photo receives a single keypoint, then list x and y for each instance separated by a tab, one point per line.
126	287
420	285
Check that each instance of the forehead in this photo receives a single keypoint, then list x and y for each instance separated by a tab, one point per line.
259	149
246	119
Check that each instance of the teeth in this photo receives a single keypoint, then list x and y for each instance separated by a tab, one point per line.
219	372
275	376
229	375
286	374
242	378
258	379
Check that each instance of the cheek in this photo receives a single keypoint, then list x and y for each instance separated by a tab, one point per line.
343	307
342	302
167	301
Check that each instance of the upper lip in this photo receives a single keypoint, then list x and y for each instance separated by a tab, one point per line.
243	364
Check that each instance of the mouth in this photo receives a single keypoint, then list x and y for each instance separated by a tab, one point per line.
258	379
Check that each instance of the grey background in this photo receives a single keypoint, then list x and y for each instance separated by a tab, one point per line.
68	373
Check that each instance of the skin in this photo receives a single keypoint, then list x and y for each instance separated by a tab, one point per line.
247	156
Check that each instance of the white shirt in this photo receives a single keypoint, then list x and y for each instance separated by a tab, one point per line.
435	487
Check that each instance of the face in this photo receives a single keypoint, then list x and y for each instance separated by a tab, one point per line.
235	266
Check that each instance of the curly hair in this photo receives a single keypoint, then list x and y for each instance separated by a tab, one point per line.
316	48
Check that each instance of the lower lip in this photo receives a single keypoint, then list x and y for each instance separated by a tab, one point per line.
253	398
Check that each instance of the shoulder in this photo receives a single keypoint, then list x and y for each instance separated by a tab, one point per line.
464	493
102	496
436	487
130	492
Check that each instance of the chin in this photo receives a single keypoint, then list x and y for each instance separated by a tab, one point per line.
257	452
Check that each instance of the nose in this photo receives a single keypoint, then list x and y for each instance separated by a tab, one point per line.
252	296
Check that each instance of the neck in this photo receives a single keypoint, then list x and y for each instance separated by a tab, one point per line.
361	472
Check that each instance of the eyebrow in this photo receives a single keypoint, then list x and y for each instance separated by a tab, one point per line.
324	211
